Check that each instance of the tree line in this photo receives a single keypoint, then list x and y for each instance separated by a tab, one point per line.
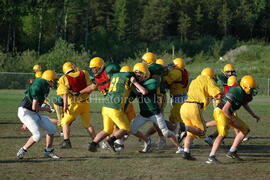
117	29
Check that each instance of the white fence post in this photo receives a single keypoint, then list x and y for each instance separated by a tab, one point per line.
268	86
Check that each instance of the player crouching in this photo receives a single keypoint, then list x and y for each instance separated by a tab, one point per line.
28	113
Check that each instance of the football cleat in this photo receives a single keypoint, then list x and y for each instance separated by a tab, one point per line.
179	150
212	160
92	147
233	155
66	144
21	153
110	145
119	147
188	156
246	139
147	146
50	154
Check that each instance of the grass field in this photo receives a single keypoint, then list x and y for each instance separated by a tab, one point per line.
78	163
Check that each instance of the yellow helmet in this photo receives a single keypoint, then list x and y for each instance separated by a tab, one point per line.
67	67
37	67
161	62
179	63
38	74
208	72
149	58
96	62
228	67
247	83
125	69
143	69
231	80
49	75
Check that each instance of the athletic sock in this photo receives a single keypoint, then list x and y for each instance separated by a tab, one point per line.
212	154
233	149
24	148
186	150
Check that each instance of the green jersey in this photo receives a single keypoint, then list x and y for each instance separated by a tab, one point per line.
157	69
222	80
119	90
237	96
38	90
149	103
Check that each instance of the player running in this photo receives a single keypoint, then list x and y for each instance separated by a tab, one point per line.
237	96
200	91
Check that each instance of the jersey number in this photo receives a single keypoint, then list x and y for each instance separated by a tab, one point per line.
113	84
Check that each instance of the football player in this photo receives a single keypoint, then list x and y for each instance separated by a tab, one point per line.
113	112
73	105
199	93
149	108
224	115
29	115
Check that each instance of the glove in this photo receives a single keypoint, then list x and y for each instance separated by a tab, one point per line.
74	93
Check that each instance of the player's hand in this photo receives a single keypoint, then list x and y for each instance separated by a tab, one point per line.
74	93
24	128
133	80
257	118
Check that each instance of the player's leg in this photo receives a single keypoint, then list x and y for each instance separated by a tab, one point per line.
108	127
222	127
51	130
243	130
86	121
159	120
65	123
30	120
135	125
188	111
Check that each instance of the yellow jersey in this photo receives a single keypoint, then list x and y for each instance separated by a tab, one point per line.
173	80
202	89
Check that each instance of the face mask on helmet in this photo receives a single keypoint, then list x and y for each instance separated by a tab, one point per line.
230	73
254	91
139	76
96	70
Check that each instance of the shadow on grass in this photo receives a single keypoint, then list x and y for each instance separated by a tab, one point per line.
85	158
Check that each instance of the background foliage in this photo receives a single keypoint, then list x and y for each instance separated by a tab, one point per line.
50	32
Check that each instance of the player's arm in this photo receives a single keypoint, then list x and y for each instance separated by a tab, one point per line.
36	107
65	102
251	112
142	89
89	89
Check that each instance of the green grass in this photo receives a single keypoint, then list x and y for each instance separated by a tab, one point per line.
78	163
